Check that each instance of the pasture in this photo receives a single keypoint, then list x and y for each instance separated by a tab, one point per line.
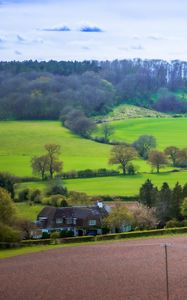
114	186
29	212
20	141
167	131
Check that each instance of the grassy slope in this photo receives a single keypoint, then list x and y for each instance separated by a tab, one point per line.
126	111
22	140
168	131
26	211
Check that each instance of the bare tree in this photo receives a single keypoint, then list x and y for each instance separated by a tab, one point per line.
53	152
157	159
172	152
107	131
40	165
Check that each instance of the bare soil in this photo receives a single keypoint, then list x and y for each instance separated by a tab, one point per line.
128	270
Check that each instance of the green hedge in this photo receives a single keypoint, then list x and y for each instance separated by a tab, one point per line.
105	237
36	242
78	239
144	233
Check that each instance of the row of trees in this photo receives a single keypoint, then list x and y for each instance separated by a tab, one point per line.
167	203
122	155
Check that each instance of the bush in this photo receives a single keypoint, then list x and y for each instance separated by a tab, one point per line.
24	195
9	234
55	200
36	196
79	239
45	235
66	233
56	189
36	242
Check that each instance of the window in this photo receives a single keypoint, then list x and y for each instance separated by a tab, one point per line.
59	221
92	222
69	221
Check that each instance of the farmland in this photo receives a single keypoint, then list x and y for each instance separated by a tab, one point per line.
114	186
20	141
167	131
137	266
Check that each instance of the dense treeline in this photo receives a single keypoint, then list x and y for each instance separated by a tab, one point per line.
42	90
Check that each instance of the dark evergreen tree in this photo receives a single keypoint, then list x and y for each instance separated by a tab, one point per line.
176	201
148	194
163	204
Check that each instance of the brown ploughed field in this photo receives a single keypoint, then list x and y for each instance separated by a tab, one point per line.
128	270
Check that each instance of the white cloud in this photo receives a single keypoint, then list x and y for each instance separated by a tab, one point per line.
149	29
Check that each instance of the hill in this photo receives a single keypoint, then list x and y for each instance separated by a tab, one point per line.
127	111
167	131
20	141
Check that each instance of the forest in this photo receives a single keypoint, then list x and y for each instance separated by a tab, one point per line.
33	90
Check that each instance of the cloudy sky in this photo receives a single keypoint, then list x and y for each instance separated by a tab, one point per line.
93	29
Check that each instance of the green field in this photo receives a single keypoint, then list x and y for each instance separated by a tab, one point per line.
22	140
114	186
29	212
167	131
19	141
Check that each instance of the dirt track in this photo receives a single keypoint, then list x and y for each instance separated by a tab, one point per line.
125	270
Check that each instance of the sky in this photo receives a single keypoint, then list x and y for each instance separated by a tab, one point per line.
93	29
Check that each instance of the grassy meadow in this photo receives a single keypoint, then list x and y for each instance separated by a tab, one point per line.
20	141
29	212
114	186
167	131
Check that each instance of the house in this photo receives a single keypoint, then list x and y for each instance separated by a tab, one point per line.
80	220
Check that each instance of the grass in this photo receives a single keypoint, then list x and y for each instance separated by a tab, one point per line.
167	131
20	141
126	111
116	185
26	211
6	253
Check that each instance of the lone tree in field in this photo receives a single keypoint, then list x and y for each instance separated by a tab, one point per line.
144	144
107	131
53	152
40	165
157	159
172	152
122	155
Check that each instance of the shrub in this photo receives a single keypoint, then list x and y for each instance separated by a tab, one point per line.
79	239
24	195
66	233
45	235
9	234
56	200
54	236
36	196
56	189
